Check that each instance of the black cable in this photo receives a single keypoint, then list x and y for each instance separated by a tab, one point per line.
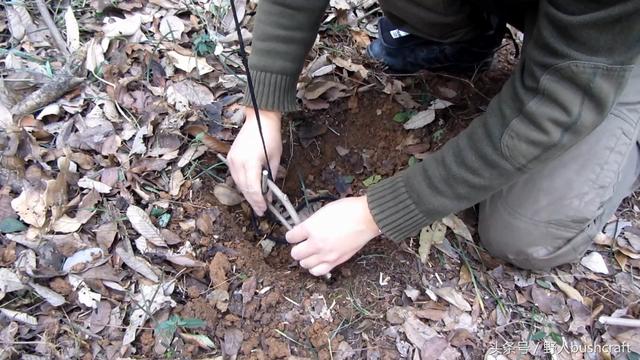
252	94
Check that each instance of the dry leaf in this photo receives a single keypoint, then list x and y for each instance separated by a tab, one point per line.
95	55
188	63
202	340
19	317
66	225
421	119
595	262
73	30
9	282
183	260
100	317
439	104
17	26
31	207
105	234
177	179
454	297
137	264
227	195
88	183
51	296
195	94
249	287
319	87
220	298
143	225
458	227
149	300
171	28
568	290
430	235
122	27
82	260
347	64
232	340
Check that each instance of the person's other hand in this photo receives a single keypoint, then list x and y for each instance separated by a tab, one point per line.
332	235
246	157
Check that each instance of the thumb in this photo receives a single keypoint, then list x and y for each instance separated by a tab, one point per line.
298	234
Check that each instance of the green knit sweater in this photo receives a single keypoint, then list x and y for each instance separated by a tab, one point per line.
577	59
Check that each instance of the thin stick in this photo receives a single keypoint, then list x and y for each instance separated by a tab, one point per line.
608	320
53	29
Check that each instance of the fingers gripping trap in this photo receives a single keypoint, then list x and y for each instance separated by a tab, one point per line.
282	202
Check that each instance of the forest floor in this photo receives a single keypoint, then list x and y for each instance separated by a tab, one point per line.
122	235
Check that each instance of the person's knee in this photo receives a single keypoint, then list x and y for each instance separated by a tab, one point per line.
526	244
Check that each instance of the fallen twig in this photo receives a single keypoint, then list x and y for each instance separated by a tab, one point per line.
53	29
70	77
608	320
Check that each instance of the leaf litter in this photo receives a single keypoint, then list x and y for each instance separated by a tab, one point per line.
117	221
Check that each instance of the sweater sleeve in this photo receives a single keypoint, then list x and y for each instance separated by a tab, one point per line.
284	32
576	62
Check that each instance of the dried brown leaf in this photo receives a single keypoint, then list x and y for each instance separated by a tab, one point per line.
458	227
141	222
249	287
137	264
100	317
232	340
454	297
227	195
105	234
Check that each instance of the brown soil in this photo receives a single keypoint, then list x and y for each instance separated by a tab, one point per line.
278	321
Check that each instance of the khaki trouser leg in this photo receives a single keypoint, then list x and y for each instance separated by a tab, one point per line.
550	217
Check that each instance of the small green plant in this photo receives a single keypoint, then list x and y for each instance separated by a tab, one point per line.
372	180
203	45
438	134
166	330
403	116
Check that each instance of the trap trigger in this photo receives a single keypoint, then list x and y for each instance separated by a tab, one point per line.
264	186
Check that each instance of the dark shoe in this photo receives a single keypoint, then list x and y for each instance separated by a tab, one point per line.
406	53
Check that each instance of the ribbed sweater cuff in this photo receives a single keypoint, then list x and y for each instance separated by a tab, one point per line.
393	209
274	92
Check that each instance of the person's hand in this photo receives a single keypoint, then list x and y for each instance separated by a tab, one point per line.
332	235
246	157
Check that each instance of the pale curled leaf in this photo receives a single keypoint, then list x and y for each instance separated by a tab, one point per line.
568	290
454	297
199	339
184	260
457	226
143	225
595	262
439	104
171	28
188	63
421	119
19	317
227	195
88	183
122	27
81	260
73	30
51	296
31	207
9	282
137	264
66	225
